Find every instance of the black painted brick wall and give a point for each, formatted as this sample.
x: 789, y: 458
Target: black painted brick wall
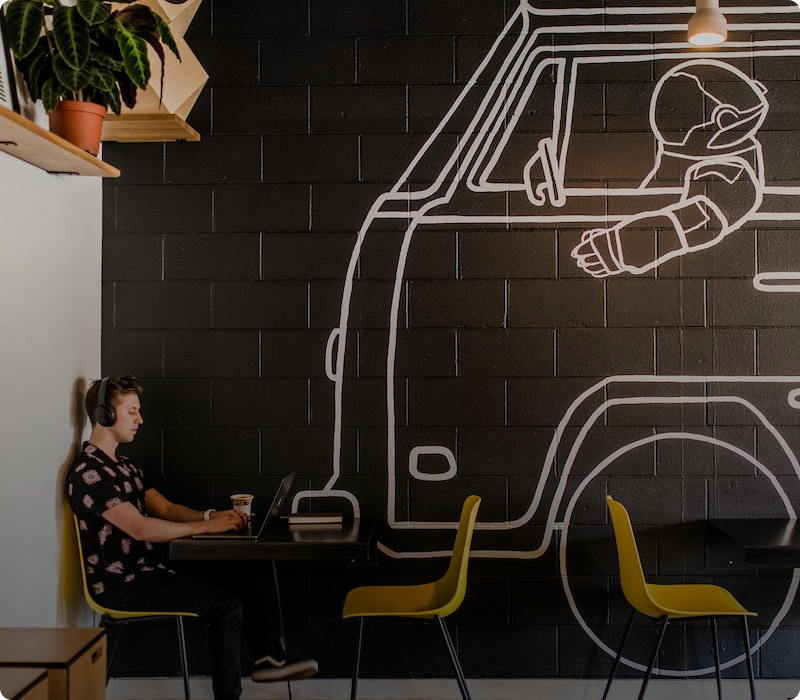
x: 223, y: 270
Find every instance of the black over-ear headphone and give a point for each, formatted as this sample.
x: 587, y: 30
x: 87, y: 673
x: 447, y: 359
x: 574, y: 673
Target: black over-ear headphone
x: 104, y: 413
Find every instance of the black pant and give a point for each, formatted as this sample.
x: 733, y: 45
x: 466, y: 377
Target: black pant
x: 226, y: 613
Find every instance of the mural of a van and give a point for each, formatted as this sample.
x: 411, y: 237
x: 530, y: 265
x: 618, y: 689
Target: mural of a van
x: 536, y: 146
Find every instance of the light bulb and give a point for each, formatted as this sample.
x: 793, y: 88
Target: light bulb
x: 708, y: 25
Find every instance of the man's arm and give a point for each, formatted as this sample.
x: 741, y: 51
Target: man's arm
x: 167, y: 521
x: 158, y: 506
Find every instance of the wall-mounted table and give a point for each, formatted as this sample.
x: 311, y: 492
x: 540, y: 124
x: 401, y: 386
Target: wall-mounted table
x: 773, y: 542
x: 764, y: 541
x: 353, y: 540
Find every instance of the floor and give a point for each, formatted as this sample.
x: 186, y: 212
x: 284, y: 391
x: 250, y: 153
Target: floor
x: 446, y: 689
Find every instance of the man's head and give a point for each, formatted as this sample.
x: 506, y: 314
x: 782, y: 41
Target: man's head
x: 104, y: 395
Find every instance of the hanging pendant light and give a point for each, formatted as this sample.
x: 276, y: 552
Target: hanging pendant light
x: 708, y: 25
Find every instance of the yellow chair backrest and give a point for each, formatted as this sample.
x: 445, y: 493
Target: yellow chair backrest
x: 634, y: 585
x: 452, y: 587
x: 70, y: 603
x: 99, y: 609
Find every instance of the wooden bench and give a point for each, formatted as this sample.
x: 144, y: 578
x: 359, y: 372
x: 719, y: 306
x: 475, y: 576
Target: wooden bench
x: 74, y: 659
x: 24, y: 683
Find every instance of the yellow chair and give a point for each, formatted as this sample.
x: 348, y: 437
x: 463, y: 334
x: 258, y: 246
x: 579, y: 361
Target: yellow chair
x: 665, y: 602
x: 426, y: 601
x: 109, y: 616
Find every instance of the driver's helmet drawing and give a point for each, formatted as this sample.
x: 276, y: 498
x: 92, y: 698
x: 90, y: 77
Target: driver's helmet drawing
x: 723, y: 182
x: 728, y: 106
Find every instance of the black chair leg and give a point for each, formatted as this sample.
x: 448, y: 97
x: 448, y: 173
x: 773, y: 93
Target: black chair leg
x: 715, y: 636
x: 462, y: 683
x: 750, y: 675
x: 184, y: 660
x: 653, y: 657
x: 614, y: 666
x: 357, y: 660
x: 104, y: 622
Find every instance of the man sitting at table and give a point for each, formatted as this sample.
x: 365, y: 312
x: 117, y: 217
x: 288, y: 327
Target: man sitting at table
x: 120, y: 517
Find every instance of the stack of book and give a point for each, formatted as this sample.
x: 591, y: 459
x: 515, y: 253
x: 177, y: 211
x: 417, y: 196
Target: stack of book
x: 312, y: 520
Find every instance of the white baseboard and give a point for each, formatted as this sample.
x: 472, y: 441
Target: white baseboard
x: 447, y: 689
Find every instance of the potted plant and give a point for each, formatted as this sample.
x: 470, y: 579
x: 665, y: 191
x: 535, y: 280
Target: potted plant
x: 86, y: 57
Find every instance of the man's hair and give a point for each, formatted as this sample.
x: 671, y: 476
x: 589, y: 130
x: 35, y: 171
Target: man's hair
x: 117, y: 385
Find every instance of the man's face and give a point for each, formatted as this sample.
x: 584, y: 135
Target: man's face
x: 129, y: 417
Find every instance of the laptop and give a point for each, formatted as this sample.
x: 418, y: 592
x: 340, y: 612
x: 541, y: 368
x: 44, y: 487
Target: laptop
x: 271, y: 516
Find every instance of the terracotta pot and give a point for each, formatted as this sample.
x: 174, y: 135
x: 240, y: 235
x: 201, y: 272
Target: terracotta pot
x: 80, y: 123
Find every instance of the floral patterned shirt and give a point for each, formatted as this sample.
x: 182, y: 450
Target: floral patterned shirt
x: 96, y: 483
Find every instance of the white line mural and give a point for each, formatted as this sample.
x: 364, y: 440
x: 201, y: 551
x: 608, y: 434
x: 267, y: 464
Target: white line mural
x: 509, y: 153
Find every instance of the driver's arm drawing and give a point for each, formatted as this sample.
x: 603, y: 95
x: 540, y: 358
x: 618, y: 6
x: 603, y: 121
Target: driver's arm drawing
x: 723, y: 183
x: 718, y: 197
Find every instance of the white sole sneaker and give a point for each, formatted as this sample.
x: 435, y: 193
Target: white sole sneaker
x: 288, y: 670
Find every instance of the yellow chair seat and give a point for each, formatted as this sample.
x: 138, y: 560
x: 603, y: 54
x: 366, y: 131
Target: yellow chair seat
x: 680, y: 600
x: 417, y: 601
x: 121, y: 615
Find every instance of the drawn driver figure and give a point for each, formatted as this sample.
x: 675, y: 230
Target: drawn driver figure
x: 716, y: 110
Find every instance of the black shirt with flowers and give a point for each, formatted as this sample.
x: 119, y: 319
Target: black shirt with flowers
x: 96, y: 483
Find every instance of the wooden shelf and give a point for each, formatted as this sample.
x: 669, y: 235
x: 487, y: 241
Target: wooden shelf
x: 147, y: 128
x: 26, y: 140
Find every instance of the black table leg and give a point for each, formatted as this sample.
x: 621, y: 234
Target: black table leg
x: 280, y: 618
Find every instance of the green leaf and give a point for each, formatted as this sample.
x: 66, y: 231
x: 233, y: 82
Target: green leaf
x: 166, y: 35
x: 50, y: 94
x: 36, y: 68
x: 104, y: 59
x: 127, y: 91
x: 71, y: 35
x: 113, y: 101
x: 138, y: 18
x: 102, y: 78
x: 71, y: 78
x: 24, y: 22
x: 93, y: 11
x: 134, y: 56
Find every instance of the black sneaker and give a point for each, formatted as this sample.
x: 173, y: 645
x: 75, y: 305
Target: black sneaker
x: 269, y: 669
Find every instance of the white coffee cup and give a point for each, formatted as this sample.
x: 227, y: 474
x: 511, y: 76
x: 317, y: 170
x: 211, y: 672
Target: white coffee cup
x: 243, y: 502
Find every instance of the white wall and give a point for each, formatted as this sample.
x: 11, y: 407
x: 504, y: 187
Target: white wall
x: 50, y: 260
